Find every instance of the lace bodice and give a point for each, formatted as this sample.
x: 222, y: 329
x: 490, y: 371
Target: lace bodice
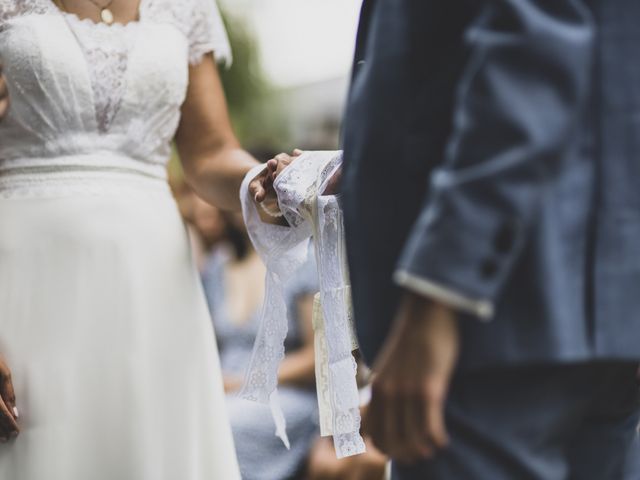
x: 96, y: 95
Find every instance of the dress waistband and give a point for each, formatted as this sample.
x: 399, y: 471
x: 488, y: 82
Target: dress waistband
x: 102, y: 172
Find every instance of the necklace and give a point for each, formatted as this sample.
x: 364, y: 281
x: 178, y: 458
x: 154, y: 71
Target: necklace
x: 106, y: 15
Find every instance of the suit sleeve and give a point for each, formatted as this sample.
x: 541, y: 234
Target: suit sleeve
x: 516, y: 114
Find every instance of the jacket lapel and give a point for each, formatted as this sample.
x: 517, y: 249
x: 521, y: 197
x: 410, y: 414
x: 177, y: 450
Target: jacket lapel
x: 363, y: 31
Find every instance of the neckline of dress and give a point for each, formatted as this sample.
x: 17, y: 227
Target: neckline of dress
x: 114, y: 25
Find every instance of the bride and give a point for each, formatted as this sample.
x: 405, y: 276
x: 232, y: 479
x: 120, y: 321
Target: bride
x: 109, y: 368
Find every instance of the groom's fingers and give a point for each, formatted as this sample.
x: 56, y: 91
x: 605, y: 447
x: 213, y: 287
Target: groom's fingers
x: 435, y: 423
x: 376, y: 422
x: 420, y: 445
x: 412, y: 444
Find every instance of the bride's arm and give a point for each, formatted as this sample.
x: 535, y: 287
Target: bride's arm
x: 213, y: 160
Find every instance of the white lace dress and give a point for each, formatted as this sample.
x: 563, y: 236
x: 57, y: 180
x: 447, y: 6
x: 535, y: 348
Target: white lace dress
x: 102, y: 317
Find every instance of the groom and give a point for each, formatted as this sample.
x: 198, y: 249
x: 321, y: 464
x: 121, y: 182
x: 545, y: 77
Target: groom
x: 492, y: 199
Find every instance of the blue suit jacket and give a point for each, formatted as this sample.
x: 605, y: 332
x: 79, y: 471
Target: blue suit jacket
x: 493, y: 147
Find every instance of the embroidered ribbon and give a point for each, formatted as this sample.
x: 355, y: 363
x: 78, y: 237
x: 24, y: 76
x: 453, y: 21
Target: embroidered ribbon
x: 284, y: 250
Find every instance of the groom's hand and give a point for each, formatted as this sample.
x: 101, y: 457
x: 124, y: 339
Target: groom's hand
x: 411, y: 380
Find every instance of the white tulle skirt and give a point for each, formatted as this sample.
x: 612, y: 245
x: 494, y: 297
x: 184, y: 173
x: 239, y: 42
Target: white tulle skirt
x: 105, y: 327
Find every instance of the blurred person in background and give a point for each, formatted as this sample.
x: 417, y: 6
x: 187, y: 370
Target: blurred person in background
x: 109, y: 367
x: 233, y: 276
x: 208, y: 229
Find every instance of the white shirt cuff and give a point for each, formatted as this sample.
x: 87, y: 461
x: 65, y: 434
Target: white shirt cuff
x: 480, y: 308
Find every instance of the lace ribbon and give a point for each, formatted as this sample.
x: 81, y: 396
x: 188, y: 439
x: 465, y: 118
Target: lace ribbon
x: 284, y: 250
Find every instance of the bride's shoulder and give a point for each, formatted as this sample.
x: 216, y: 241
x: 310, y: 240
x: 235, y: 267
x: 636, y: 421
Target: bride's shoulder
x: 199, y: 20
x: 184, y: 10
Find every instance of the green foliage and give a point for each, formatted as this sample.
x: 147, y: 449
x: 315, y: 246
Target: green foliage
x: 256, y: 118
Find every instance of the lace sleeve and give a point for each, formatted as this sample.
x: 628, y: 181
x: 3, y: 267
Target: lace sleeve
x: 15, y: 8
x: 207, y: 33
x: 8, y: 9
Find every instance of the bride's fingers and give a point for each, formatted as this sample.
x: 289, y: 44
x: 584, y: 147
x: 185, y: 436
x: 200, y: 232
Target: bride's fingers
x: 261, y: 186
x: 272, y: 166
x: 257, y: 188
x: 4, y: 95
x: 297, y: 152
x: 8, y: 396
x: 282, y: 160
x: 8, y: 411
x: 4, y: 106
x: 8, y: 425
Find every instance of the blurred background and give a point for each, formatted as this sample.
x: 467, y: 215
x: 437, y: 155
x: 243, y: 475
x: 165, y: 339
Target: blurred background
x: 288, y: 83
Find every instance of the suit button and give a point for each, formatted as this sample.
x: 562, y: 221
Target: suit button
x: 505, y: 238
x: 489, y: 269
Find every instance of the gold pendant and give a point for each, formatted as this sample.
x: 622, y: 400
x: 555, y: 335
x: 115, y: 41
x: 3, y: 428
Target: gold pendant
x: 107, y: 16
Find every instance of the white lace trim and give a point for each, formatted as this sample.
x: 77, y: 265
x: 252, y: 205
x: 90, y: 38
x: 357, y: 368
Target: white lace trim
x: 284, y: 249
x: 78, y: 174
x: 201, y: 23
x: 106, y: 49
x: 78, y: 182
x: 16, y: 8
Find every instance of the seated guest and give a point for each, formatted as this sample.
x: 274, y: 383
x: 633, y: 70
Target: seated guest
x: 233, y: 279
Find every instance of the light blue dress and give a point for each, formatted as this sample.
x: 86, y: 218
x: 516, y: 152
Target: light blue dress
x: 261, y: 454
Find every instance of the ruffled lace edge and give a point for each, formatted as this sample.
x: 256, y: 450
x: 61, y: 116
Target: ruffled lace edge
x: 208, y: 34
x: 222, y: 53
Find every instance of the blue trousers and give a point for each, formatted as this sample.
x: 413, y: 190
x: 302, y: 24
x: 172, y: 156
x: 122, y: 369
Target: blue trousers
x: 572, y: 422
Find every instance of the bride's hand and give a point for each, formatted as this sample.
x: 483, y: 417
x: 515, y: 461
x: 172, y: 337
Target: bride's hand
x: 4, y: 95
x: 8, y: 410
x: 263, y: 192
x: 282, y: 161
x: 261, y: 188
